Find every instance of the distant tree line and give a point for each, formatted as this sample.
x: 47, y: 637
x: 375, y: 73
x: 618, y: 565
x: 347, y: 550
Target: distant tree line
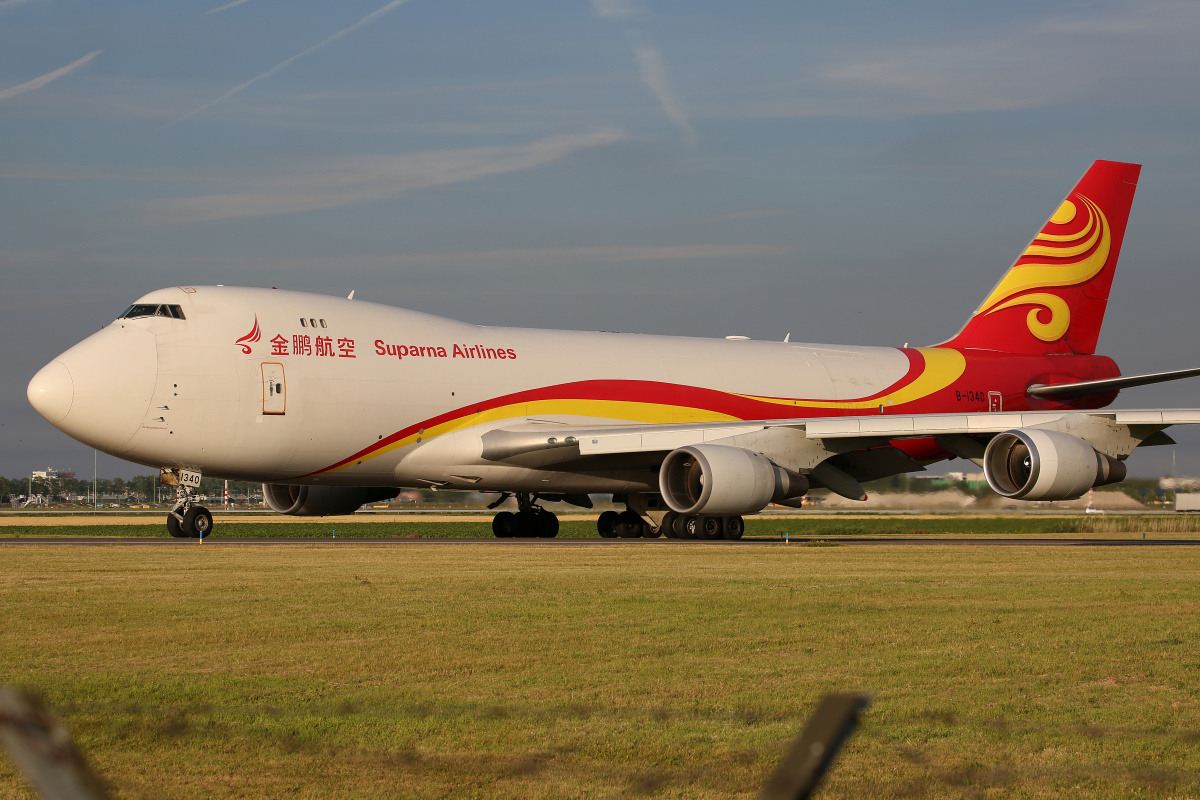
x: 140, y: 488
x: 1140, y: 489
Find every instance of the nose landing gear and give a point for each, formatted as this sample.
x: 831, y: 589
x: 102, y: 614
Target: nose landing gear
x: 186, y: 519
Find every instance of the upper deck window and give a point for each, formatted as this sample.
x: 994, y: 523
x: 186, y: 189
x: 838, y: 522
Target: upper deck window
x: 139, y: 310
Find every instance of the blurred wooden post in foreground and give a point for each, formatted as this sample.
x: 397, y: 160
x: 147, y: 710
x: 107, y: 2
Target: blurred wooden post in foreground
x: 41, y: 748
x: 801, y: 772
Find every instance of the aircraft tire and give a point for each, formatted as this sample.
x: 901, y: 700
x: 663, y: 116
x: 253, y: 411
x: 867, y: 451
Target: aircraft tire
x: 527, y: 525
x: 547, y: 525
x: 174, y: 528
x: 651, y: 532
x: 503, y: 525
x: 606, y: 524
x: 734, y: 527
x: 668, y: 525
x: 197, y: 522
x: 711, y: 528
x: 629, y: 526
x: 688, y: 527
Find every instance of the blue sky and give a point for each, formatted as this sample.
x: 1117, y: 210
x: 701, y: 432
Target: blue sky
x: 848, y: 172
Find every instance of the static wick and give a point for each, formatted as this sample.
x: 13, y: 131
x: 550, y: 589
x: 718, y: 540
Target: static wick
x: 41, y: 748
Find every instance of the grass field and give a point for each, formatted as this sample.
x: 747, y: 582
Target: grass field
x: 1130, y: 526
x: 661, y: 671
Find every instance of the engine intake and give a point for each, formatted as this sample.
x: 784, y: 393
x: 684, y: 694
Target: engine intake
x: 720, y: 480
x: 322, y: 501
x: 1034, y: 464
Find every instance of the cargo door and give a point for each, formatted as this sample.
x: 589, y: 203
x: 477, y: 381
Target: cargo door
x: 274, y: 388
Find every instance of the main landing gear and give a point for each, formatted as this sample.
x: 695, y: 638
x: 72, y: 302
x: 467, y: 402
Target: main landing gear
x: 186, y: 520
x: 530, y: 521
x: 629, y: 525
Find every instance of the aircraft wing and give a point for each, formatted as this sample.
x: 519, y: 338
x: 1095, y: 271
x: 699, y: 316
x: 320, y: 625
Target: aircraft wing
x: 572, y: 441
x: 835, y: 452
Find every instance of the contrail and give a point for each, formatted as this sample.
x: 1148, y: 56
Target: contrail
x: 654, y: 75
x: 38, y: 83
x: 651, y: 67
x: 369, y: 18
x: 222, y: 8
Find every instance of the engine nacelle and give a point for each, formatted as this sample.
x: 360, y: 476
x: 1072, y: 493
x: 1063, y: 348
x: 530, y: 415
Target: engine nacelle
x: 322, y: 501
x: 1034, y: 464
x: 719, y: 480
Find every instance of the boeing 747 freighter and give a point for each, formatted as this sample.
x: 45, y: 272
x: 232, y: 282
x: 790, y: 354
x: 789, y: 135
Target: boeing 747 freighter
x: 334, y: 402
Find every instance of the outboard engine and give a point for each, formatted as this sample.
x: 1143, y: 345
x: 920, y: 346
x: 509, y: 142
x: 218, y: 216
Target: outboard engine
x: 1035, y: 464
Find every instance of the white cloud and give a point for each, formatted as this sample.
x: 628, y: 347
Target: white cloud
x: 501, y: 260
x: 225, y: 7
x: 615, y: 9
x: 287, y: 62
x: 753, y: 213
x: 1136, y: 49
x: 543, y: 255
x: 349, y: 180
x: 49, y: 77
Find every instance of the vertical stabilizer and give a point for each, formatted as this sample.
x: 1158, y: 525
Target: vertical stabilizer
x: 1052, y: 299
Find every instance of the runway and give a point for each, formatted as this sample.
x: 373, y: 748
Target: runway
x: 101, y: 541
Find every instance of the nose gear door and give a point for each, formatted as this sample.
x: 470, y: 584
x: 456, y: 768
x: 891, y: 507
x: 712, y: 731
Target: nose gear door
x: 274, y: 388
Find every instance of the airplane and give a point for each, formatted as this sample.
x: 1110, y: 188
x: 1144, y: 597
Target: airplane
x: 333, y: 402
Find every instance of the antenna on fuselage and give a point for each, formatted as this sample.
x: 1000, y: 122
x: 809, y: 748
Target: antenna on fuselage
x: 351, y: 295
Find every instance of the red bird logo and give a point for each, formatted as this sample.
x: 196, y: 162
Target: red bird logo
x: 253, y: 336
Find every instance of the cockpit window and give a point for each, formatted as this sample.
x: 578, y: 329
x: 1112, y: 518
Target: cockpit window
x: 138, y: 310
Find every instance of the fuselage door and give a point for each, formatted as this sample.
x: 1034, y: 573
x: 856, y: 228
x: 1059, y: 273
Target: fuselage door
x: 274, y: 388
x: 994, y: 402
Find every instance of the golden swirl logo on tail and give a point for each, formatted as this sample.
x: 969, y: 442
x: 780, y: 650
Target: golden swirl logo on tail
x: 1072, y: 248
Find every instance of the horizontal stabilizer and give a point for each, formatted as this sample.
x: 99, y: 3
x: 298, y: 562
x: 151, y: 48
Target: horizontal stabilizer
x: 1109, y: 384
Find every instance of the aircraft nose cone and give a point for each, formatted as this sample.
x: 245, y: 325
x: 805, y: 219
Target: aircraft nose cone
x: 52, y: 391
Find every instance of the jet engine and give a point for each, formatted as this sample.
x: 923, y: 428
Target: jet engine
x: 321, y: 501
x: 1033, y: 464
x: 719, y: 480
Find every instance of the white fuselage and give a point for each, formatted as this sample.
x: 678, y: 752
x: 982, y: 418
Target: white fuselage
x: 240, y: 388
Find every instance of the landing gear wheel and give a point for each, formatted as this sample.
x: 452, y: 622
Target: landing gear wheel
x: 525, y: 525
x: 710, y: 528
x: 174, y: 528
x: 504, y: 525
x: 629, y: 526
x: 651, y: 532
x: 606, y: 525
x: 734, y: 527
x: 197, y: 522
x: 547, y: 525
x: 668, y: 525
x: 688, y: 527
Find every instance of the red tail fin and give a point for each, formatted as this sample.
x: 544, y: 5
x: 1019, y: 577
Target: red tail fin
x: 1052, y: 299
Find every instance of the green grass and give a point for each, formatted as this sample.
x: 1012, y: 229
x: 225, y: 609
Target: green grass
x: 884, y: 525
x: 361, y: 672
